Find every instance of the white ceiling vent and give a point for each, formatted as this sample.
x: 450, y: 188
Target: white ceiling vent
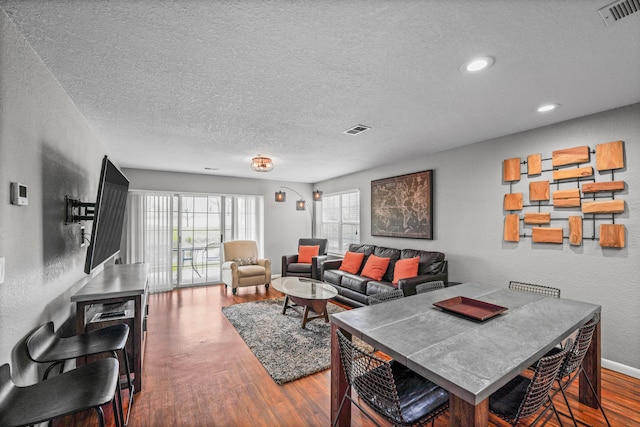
x: 617, y: 10
x: 357, y: 129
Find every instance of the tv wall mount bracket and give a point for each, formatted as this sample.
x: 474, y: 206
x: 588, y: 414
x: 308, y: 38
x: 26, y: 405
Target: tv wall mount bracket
x: 77, y: 211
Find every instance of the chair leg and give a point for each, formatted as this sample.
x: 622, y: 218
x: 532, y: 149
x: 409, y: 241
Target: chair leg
x: 129, y: 386
x: 595, y: 395
x: 566, y: 401
x: 100, y: 414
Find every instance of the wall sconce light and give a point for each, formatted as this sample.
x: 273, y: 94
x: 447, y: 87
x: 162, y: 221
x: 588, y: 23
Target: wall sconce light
x: 261, y: 163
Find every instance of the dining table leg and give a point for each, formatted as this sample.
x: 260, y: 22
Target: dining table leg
x: 339, y: 384
x: 591, y: 365
x: 464, y: 414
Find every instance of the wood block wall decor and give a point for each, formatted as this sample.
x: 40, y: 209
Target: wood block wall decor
x: 546, y: 235
x: 537, y: 218
x: 538, y: 190
x: 572, y: 173
x: 511, y: 169
x: 575, y: 230
x: 576, y: 190
x: 512, y: 228
x: 570, y: 156
x: 607, y: 206
x: 534, y: 164
x: 609, y: 156
x: 566, y: 198
x: 513, y: 202
x: 612, y: 235
x: 595, y: 187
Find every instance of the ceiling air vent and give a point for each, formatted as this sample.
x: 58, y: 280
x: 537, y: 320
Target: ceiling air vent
x: 356, y: 129
x: 617, y: 10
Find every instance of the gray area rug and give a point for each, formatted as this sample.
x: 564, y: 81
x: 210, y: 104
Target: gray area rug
x: 286, y: 351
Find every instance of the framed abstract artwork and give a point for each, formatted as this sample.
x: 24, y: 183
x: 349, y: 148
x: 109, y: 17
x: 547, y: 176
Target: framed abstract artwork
x: 402, y: 206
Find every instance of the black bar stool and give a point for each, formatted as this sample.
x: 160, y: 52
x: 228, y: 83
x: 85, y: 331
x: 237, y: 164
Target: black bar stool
x: 45, y: 346
x: 88, y: 387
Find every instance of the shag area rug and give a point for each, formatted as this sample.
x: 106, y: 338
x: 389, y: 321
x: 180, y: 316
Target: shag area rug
x: 286, y: 351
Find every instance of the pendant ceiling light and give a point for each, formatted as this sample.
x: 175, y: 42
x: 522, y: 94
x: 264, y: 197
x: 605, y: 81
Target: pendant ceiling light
x: 261, y: 164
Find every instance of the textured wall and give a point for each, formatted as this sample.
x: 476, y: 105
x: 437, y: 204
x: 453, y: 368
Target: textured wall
x: 468, y: 225
x: 48, y: 145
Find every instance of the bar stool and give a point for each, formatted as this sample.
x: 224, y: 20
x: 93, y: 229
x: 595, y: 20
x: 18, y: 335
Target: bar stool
x: 45, y: 346
x: 88, y: 387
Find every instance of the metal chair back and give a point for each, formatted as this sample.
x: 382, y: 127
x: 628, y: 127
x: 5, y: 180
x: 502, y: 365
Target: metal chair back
x: 429, y: 286
x: 536, y: 289
x: 385, y: 296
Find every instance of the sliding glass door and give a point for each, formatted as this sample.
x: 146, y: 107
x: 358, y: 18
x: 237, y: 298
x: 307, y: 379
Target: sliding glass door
x: 197, y: 234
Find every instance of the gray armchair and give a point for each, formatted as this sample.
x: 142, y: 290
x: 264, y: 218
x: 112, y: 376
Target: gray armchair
x: 291, y: 266
x: 242, y: 267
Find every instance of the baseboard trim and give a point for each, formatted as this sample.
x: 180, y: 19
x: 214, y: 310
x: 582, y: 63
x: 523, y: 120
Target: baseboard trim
x: 619, y: 367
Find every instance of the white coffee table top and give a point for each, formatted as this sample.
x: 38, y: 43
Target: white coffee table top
x: 304, y: 288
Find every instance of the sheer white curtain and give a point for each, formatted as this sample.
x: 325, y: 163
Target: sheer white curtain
x: 148, y: 236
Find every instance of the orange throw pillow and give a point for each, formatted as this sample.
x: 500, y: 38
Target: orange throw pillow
x: 305, y: 253
x: 406, y: 268
x: 352, y: 262
x: 375, y: 267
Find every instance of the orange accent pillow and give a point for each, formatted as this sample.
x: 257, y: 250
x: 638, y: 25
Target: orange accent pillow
x: 406, y: 268
x: 375, y: 267
x: 305, y: 253
x: 352, y: 262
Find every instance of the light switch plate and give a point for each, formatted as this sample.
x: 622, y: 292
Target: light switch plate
x: 2, y: 270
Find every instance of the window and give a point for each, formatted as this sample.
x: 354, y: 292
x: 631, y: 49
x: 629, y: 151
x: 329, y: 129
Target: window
x: 340, y: 222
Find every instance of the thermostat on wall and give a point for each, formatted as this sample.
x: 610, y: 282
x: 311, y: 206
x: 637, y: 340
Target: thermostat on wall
x: 19, y: 194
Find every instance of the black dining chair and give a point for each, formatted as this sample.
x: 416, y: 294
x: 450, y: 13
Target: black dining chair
x: 45, y: 346
x: 524, y: 396
x: 536, y: 289
x: 572, y: 366
x: 392, y: 390
x: 88, y: 387
x: 429, y: 286
x: 385, y: 296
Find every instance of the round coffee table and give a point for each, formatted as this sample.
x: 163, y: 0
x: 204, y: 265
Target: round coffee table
x: 308, y: 293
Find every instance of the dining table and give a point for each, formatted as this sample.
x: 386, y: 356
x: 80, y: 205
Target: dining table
x: 468, y: 355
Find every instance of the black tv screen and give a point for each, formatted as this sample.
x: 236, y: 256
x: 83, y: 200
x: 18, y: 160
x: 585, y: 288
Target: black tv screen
x: 108, y: 216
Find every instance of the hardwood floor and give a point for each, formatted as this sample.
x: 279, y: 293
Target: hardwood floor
x: 199, y: 372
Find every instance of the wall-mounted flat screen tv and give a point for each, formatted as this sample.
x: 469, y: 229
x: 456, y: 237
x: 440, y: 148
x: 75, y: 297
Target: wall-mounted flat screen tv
x: 108, y: 215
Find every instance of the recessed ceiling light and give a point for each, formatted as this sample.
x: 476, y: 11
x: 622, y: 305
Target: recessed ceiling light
x: 211, y: 169
x: 547, y: 107
x: 478, y: 64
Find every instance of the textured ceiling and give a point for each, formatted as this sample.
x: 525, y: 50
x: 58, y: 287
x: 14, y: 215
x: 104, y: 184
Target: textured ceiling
x: 185, y: 85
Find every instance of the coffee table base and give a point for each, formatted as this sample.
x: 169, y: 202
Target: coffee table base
x: 317, y: 306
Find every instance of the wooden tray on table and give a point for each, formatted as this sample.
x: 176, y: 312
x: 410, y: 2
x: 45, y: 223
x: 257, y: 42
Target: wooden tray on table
x: 471, y: 308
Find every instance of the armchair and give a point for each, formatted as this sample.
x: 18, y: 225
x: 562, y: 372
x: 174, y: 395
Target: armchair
x: 291, y: 266
x: 242, y: 267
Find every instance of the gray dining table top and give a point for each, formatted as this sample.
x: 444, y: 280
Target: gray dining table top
x: 469, y: 358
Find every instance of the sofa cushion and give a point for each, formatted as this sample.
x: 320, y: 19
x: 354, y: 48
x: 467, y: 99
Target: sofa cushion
x: 374, y: 287
x: 296, y: 267
x: 427, y: 258
x: 306, y: 253
x: 352, y: 262
x: 353, y: 282
x: 375, y: 267
x: 405, y: 268
x: 334, y: 276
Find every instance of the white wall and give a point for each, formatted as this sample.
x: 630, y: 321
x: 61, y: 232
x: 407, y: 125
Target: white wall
x: 283, y: 224
x: 46, y: 144
x: 468, y: 223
